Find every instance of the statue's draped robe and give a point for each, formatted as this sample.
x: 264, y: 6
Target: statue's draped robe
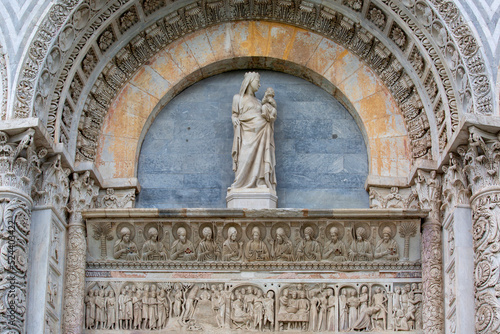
x: 253, y: 151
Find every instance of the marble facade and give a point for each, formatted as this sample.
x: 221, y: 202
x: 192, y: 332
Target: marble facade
x: 413, y: 247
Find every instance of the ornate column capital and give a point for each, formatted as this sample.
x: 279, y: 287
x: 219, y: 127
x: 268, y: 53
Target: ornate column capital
x: 53, y: 187
x: 19, y: 167
x: 481, y: 159
x: 19, y: 163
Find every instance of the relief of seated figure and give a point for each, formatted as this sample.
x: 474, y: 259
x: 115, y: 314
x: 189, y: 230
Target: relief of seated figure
x: 282, y: 248
x: 335, y: 249
x: 361, y: 249
x: 387, y: 248
x: 208, y: 250
x: 308, y: 248
x: 125, y: 248
x: 232, y: 249
x: 256, y: 249
x: 153, y: 249
x: 182, y: 248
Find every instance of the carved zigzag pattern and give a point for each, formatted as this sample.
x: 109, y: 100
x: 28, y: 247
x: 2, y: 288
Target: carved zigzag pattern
x: 17, y: 18
x: 485, y: 15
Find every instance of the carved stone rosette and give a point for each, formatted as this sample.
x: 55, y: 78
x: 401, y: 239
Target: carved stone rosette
x: 19, y: 166
x: 481, y: 160
x: 427, y: 188
x: 82, y: 195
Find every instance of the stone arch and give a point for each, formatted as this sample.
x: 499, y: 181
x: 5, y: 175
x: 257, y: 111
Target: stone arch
x: 430, y: 91
x: 284, y: 48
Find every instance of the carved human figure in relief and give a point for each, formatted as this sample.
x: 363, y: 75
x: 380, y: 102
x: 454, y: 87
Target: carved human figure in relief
x: 182, y: 248
x: 153, y: 249
x: 208, y: 250
x: 256, y: 249
x: 232, y: 250
x: 361, y: 249
x: 100, y: 313
x: 124, y: 248
x: 308, y: 248
x: 387, y: 248
x: 90, y: 309
x: 379, y: 302
x: 269, y: 310
x: 253, y: 144
x: 335, y: 249
x: 111, y: 310
x: 282, y: 248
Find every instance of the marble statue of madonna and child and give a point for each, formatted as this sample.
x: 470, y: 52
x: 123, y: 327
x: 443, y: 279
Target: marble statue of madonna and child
x: 253, y: 152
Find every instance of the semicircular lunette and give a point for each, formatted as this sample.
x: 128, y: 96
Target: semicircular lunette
x: 424, y: 71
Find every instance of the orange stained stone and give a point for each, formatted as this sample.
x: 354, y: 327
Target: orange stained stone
x: 282, y: 37
x: 219, y: 37
x: 303, y: 47
x: 361, y: 84
x: 200, y: 46
x: 150, y: 81
x: 182, y: 56
x: 323, y: 57
x: 163, y: 64
x: 343, y: 67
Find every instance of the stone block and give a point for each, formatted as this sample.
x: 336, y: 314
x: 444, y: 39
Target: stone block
x: 255, y: 198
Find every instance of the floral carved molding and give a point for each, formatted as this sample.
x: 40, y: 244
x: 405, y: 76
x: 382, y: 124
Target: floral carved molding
x: 428, y: 57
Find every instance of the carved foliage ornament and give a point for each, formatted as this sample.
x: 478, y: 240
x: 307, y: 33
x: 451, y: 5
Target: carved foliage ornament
x: 85, y: 13
x: 83, y: 193
x: 14, y: 234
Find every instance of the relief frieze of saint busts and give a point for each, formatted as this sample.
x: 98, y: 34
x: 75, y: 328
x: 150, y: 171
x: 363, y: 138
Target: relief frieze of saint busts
x: 245, y: 244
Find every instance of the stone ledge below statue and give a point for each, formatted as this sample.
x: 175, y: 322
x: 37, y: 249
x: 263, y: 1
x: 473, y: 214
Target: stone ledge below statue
x: 252, y: 198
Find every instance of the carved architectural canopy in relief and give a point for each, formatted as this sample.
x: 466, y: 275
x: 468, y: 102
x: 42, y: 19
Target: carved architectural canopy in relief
x: 423, y: 51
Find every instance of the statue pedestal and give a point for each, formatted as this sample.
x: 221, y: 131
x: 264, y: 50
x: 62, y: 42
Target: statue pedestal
x: 252, y: 198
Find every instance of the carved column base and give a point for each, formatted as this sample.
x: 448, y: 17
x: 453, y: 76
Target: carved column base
x: 254, y: 198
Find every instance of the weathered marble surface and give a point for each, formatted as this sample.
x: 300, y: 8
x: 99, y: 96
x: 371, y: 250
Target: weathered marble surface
x: 275, y: 239
x: 133, y: 110
x: 179, y: 304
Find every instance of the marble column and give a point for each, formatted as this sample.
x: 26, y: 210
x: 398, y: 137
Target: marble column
x: 19, y: 167
x: 481, y: 165
x: 83, y: 192
x: 427, y: 188
x: 47, y: 248
x: 458, y: 262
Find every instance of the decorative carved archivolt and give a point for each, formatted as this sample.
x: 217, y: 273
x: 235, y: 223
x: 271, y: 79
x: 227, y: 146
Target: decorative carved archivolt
x: 218, y: 306
x: 70, y: 48
x: 254, y: 245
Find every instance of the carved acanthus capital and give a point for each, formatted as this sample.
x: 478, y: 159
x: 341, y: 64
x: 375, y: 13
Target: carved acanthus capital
x: 481, y: 159
x: 53, y: 186
x: 19, y: 162
x: 83, y: 193
x: 455, y: 186
x: 394, y: 197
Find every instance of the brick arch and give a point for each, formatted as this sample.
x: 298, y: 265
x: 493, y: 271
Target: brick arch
x: 265, y: 45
